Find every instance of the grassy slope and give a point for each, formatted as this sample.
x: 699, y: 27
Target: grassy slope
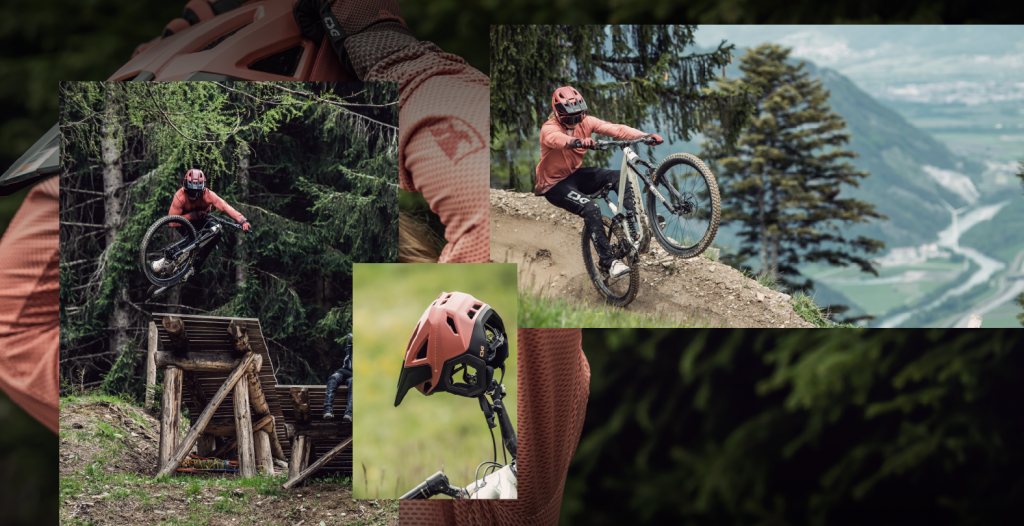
x: 105, y: 480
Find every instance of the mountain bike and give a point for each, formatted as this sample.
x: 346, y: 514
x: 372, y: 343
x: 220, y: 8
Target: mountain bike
x: 682, y: 212
x: 174, y: 243
x: 438, y: 484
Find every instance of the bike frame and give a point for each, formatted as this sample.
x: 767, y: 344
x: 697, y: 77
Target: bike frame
x: 628, y: 174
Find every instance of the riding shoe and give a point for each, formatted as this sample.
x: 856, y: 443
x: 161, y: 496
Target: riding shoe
x: 158, y: 265
x: 617, y: 268
x: 347, y: 417
x: 328, y: 415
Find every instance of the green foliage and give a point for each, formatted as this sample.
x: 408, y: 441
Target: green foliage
x: 798, y: 427
x: 783, y: 179
x: 310, y: 165
x: 122, y: 379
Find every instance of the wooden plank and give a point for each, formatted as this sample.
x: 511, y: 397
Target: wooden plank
x: 316, y: 465
x: 228, y: 446
x: 264, y: 457
x: 205, y: 417
x: 170, y: 418
x: 295, y: 466
x: 243, y: 431
x: 195, y: 391
x: 154, y: 341
x: 239, y: 335
x: 300, y: 403
x: 178, y: 338
x: 256, y: 398
x: 204, y: 362
x: 319, y: 430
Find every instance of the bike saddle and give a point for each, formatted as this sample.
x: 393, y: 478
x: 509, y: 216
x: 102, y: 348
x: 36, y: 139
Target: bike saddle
x: 41, y: 160
x: 257, y: 41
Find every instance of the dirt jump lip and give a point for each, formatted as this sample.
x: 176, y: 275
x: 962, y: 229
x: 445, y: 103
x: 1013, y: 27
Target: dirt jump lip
x: 545, y: 242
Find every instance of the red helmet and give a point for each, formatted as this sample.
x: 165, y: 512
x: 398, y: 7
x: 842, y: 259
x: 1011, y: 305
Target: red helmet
x: 456, y: 333
x: 257, y: 41
x: 194, y: 183
x: 569, y: 106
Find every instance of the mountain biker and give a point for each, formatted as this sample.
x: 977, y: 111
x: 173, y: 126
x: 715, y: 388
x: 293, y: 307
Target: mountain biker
x: 30, y: 304
x: 553, y: 379
x: 452, y: 334
x: 443, y: 112
x: 194, y: 201
x: 564, y: 139
x: 341, y: 375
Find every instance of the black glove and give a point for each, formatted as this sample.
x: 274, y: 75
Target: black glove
x: 585, y: 143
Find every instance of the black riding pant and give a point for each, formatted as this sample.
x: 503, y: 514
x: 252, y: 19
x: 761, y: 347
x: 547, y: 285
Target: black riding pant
x: 341, y: 375
x: 571, y: 194
x: 199, y: 225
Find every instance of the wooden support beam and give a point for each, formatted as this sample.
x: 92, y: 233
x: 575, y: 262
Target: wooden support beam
x: 318, y: 430
x: 195, y: 390
x: 205, y: 416
x: 206, y: 445
x: 202, y: 362
x: 239, y: 335
x: 264, y: 457
x: 256, y: 398
x: 170, y: 419
x: 176, y: 332
x: 318, y: 464
x: 243, y: 431
x: 295, y: 465
x: 228, y: 446
x: 154, y: 340
x: 300, y: 402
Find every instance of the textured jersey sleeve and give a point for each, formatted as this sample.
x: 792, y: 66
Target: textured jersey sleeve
x: 553, y: 386
x: 443, y: 128
x: 551, y: 137
x: 29, y: 304
x: 618, y: 131
x: 223, y: 206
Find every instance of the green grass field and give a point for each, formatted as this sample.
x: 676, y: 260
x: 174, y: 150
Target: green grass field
x: 401, y: 446
x: 536, y: 311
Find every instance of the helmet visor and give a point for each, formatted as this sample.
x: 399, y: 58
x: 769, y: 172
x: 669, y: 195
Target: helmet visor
x: 572, y: 119
x: 411, y: 377
x: 194, y: 193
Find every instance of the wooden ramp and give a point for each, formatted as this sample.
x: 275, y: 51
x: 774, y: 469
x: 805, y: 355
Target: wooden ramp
x: 342, y: 463
x: 206, y: 360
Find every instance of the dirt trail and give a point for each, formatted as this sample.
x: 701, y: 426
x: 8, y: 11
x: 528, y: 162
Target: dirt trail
x: 545, y: 242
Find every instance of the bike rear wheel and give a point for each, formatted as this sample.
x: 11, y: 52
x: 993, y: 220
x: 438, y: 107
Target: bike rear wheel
x: 617, y: 291
x: 687, y: 224
x: 163, y: 238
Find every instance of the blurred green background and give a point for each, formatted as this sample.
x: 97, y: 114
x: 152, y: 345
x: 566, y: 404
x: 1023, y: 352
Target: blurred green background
x: 787, y: 427
x: 401, y: 446
x: 28, y: 467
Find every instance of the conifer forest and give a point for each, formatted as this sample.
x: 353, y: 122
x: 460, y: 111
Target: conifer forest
x: 312, y: 166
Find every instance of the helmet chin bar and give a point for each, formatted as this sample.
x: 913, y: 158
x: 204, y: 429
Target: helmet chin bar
x: 495, y: 407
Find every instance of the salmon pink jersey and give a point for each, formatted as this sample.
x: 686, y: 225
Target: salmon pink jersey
x: 29, y: 308
x: 553, y: 388
x: 558, y: 159
x: 183, y: 206
x: 444, y: 107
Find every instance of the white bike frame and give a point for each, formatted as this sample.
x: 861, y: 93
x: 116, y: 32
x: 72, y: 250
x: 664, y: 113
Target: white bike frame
x: 628, y: 175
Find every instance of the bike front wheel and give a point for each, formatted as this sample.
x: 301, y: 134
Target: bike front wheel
x: 617, y: 291
x: 164, y: 238
x: 686, y: 221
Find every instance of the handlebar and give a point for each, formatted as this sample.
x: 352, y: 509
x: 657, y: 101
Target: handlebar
x: 224, y: 221
x: 604, y: 145
x: 436, y: 484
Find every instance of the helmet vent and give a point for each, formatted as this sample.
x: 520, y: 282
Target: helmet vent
x: 222, y: 38
x: 471, y: 314
x: 423, y: 350
x: 451, y: 323
x: 477, y: 306
x: 284, y: 63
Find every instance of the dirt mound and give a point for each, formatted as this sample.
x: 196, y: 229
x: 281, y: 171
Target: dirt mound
x: 108, y: 456
x: 545, y: 242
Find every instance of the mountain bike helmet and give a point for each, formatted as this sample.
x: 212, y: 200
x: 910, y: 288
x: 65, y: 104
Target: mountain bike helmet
x: 41, y: 160
x: 570, y: 108
x: 456, y: 333
x: 257, y: 41
x: 195, y: 183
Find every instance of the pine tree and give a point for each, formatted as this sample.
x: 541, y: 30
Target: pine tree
x: 313, y: 166
x: 641, y: 76
x: 783, y: 180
